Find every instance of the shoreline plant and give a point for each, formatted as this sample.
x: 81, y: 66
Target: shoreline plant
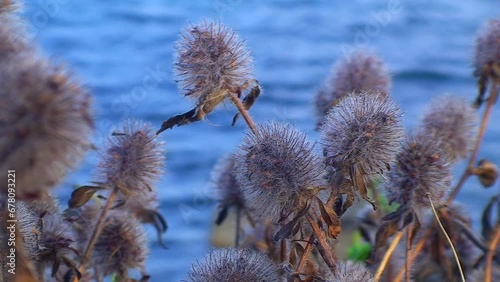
x: 289, y: 200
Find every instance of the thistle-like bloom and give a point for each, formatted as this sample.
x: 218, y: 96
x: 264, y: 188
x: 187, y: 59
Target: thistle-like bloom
x: 121, y: 246
x: 421, y: 167
x: 487, y: 54
x: 226, y: 184
x: 453, y: 120
x: 275, y: 167
x: 364, y: 131
x: 351, y: 272
x: 133, y: 159
x: 211, y: 60
x: 360, y: 72
x: 225, y: 265
x: 12, y: 40
x: 46, y: 123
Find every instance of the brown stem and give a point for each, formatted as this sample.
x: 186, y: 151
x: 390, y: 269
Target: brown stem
x: 236, y: 101
x: 408, y: 251
x: 387, y: 256
x: 97, y: 231
x: 307, y: 250
x: 490, y: 255
x: 482, y: 129
x: 323, y: 247
x: 420, y: 245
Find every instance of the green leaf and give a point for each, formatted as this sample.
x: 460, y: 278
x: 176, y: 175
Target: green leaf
x: 359, y: 250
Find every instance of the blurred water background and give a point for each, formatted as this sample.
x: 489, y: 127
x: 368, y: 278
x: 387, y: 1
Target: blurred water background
x: 123, y: 52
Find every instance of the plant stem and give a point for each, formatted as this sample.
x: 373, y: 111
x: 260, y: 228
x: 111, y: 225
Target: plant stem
x: 490, y: 255
x: 97, y: 231
x: 482, y: 129
x: 409, y: 230
x: 323, y: 247
x: 387, y: 256
x: 307, y: 250
x: 420, y: 245
x: 236, y: 101
x: 447, y: 238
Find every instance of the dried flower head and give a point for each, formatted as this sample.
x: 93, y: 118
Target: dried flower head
x: 421, y: 167
x: 361, y: 137
x: 225, y: 182
x: 211, y: 59
x: 487, y: 54
x: 363, y: 130
x: 351, y: 272
x: 133, y: 159
x: 453, y: 120
x: 360, y: 72
x: 47, y: 123
x: 12, y: 39
x: 275, y: 166
x: 224, y: 265
x: 121, y: 246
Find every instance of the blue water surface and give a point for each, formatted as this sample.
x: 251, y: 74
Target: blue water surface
x: 116, y: 47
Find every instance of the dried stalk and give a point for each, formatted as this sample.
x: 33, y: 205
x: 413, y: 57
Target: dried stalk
x: 491, y: 254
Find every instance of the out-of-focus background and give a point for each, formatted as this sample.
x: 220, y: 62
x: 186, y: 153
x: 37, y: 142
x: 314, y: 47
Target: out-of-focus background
x: 123, y: 52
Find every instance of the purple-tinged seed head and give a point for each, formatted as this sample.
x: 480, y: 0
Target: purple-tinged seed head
x: 232, y: 264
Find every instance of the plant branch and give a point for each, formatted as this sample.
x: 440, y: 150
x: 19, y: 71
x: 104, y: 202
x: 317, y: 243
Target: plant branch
x: 482, y: 129
x: 387, y: 256
x: 322, y: 244
x: 307, y: 250
x: 97, y: 231
x: 491, y: 254
x: 236, y: 101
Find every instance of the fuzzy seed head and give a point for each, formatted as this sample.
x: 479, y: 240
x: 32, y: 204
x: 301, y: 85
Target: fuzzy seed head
x: 211, y: 59
x: 421, y: 167
x: 360, y: 72
x: 133, y: 159
x: 12, y: 40
x: 351, y: 272
x: 453, y: 120
x: 225, y: 182
x: 227, y: 265
x: 46, y: 123
x: 487, y: 52
x: 365, y: 130
x: 276, y: 165
x: 121, y: 246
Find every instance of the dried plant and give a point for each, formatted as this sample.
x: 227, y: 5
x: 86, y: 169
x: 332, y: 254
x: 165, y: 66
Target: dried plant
x: 359, y: 72
x: 454, y: 121
x: 212, y: 65
x: 361, y: 137
x: 276, y: 168
x: 234, y: 265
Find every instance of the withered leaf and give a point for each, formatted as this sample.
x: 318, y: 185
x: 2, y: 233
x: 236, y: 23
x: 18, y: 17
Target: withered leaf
x: 288, y: 229
x: 157, y: 220
x: 349, y: 200
x: 358, y: 180
x: 178, y: 120
x: 331, y: 219
x: 486, y: 222
x: 82, y: 195
x: 386, y: 230
x: 248, y: 101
